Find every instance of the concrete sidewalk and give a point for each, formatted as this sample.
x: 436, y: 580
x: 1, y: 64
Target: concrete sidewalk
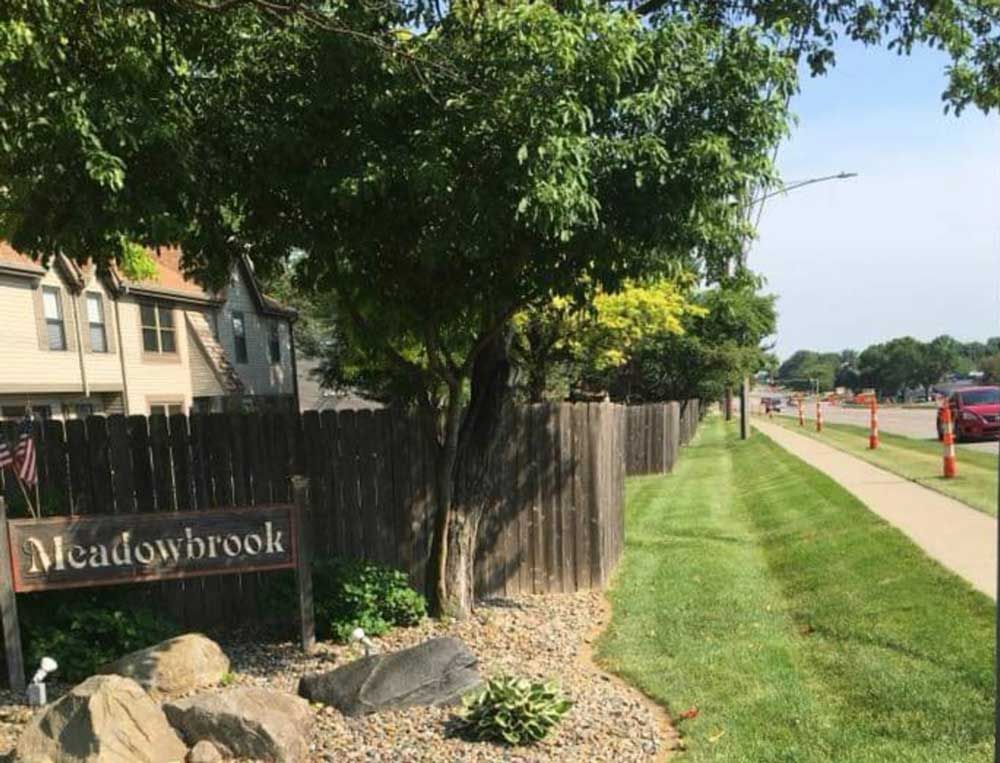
x: 960, y: 538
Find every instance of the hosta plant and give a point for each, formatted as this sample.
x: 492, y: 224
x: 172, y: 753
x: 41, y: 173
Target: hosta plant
x: 512, y: 710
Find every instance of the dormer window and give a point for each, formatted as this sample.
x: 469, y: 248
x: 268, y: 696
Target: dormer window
x: 96, y: 325
x: 55, y: 326
x: 274, y: 343
x: 240, y: 337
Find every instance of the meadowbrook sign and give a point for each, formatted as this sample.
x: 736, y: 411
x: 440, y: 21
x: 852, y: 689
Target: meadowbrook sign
x: 96, y: 550
x: 82, y: 551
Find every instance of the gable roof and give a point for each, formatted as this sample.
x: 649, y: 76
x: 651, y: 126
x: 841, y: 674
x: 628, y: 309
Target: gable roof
x: 169, y: 282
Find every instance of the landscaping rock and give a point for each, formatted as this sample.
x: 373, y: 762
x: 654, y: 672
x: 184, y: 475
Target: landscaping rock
x: 106, y: 719
x: 436, y: 672
x: 204, y: 752
x: 260, y: 724
x: 174, y: 667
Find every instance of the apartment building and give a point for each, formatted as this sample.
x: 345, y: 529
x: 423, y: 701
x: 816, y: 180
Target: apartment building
x: 75, y: 341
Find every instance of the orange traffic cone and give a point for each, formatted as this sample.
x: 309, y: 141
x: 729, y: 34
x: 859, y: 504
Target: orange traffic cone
x: 819, y: 416
x: 950, y: 466
x: 873, y: 435
x: 802, y: 415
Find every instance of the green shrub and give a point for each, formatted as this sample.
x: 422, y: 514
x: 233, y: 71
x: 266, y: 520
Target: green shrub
x: 88, y: 631
x: 350, y: 594
x: 512, y: 710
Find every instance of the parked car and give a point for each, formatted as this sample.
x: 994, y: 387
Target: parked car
x: 772, y: 404
x: 975, y: 413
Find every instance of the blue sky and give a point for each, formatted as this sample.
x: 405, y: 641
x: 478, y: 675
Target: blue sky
x: 910, y: 246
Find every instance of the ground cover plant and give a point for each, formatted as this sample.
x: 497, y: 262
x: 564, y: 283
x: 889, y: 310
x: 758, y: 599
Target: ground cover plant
x: 917, y: 460
x: 83, y: 631
x: 511, y: 710
x: 798, y: 624
x: 349, y: 594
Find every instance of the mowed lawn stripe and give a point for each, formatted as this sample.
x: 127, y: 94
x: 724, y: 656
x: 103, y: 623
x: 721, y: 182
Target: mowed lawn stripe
x: 802, y: 626
x: 913, y: 459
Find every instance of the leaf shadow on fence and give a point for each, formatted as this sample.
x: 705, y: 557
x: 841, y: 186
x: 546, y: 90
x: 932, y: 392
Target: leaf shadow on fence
x: 556, y: 526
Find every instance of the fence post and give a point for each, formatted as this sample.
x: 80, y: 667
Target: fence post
x: 303, y: 571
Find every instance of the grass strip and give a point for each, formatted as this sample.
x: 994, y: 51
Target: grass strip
x: 913, y: 459
x: 802, y: 626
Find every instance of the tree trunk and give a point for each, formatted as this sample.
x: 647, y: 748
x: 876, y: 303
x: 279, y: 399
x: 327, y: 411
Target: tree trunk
x: 466, y: 467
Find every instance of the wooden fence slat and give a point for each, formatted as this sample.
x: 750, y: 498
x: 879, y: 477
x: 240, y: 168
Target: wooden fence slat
x: 580, y: 497
x: 79, y: 467
x: 367, y: 507
x: 142, y: 468
x: 100, y: 464
x: 260, y: 486
x: 180, y: 458
x: 200, y: 473
x: 550, y: 499
x: 163, y: 470
x: 314, y: 455
x: 353, y: 533
x: 121, y: 464
x: 385, y: 516
x: 237, y: 450
x: 402, y: 494
x: 57, y: 486
x: 333, y: 472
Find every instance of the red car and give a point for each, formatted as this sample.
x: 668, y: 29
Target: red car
x: 975, y: 413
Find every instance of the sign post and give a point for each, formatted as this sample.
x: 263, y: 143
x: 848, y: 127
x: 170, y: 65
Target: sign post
x: 8, y: 609
x: 307, y: 617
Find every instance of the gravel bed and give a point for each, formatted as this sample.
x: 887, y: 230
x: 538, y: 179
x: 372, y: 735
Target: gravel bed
x: 543, y: 638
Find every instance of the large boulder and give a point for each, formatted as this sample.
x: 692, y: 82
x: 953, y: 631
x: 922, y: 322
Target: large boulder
x: 436, y: 672
x: 174, y: 667
x: 106, y: 719
x: 260, y: 724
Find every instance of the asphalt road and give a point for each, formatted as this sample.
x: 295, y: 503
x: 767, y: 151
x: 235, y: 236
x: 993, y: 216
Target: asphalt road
x: 909, y: 422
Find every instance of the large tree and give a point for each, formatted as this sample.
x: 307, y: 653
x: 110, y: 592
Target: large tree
x: 436, y: 183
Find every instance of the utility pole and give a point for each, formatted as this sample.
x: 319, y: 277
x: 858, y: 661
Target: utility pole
x: 759, y: 203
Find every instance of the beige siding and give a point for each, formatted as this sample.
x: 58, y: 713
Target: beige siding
x: 204, y: 382
x: 23, y: 362
x: 104, y: 369
x: 152, y: 377
x: 259, y: 375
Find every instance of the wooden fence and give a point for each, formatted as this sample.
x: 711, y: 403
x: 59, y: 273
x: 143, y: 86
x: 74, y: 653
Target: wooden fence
x: 561, y: 490
x: 652, y: 438
x: 690, y: 416
x: 655, y: 433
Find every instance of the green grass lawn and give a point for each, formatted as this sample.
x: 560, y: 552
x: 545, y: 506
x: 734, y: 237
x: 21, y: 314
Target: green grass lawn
x: 917, y: 460
x: 801, y: 626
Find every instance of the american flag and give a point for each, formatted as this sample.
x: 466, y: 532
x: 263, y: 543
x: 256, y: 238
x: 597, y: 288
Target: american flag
x: 6, y: 456
x: 24, y: 454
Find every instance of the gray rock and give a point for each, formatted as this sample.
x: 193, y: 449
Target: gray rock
x: 252, y: 723
x: 106, y: 719
x: 436, y: 672
x: 174, y: 667
x: 204, y: 752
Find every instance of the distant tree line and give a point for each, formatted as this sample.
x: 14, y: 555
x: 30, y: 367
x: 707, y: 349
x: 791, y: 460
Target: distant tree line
x: 892, y: 367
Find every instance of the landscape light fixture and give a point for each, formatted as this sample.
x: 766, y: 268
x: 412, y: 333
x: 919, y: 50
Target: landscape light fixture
x: 358, y: 635
x: 36, y: 689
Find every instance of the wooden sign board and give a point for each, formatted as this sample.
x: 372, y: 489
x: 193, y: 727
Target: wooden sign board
x: 97, y: 550
x: 74, y: 552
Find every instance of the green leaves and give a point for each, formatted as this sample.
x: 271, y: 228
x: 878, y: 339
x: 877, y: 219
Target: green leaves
x: 511, y: 710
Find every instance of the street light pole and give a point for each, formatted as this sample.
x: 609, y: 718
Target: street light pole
x: 745, y: 387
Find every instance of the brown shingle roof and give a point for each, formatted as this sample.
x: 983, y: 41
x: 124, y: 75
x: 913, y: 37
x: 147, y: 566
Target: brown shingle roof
x: 168, y: 281
x: 17, y: 260
x: 169, y: 275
